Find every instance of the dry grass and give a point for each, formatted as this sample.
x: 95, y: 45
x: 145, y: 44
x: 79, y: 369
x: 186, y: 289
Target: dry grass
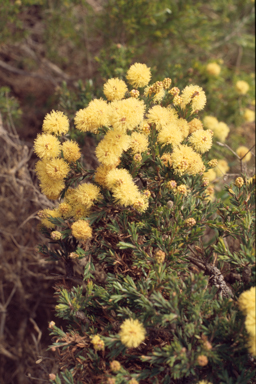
x: 26, y: 295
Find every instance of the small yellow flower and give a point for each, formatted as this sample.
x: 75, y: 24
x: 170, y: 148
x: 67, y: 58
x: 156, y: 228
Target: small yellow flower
x: 51, y: 324
x: 213, y: 69
x: 246, y: 301
x: 56, y: 235
x: 239, y: 182
x: 137, y: 157
x: 115, y: 366
x: 167, y: 83
x: 242, y: 87
x: 243, y: 153
x: 141, y: 204
x: 177, y: 100
x: 57, y: 169
x: 133, y: 381
x: 182, y: 189
x: 210, y: 122
x: 249, y: 115
x: 222, y: 168
x: 98, y: 344
x: 138, y: 75
x: 221, y: 131
x: 171, y: 184
x: 115, y: 89
x: 213, y: 163
x: 134, y: 93
x: 64, y: 209
x: 175, y: 91
x: 166, y: 159
x: 71, y: 151
x: 139, y: 142
x: 47, y: 146
x: 56, y: 122
x: 195, y: 125
x: 169, y: 134
x: 252, y: 345
x: 81, y: 230
x: 132, y: 333
x: 250, y: 323
x: 202, y: 360
x: 195, y: 95
x: 190, y: 222
x: 159, y: 256
x: 201, y: 140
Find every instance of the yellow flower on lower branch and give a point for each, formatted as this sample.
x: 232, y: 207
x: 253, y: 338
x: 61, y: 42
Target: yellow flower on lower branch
x: 81, y: 230
x: 71, y: 151
x: 132, y: 333
x: 98, y: 344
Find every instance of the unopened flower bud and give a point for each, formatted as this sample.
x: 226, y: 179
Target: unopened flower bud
x: 202, y: 360
x: 159, y: 256
x: 207, y: 345
x: 73, y: 255
x: 111, y: 380
x: 190, y: 222
x: 52, y: 376
x: 147, y: 193
x: 182, y: 189
x: 134, y: 93
x: 213, y: 163
x: 98, y: 344
x: 170, y: 204
x: 167, y: 83
x: 51, y: 324
x: 205, y: 181
x: 146, y: 128
x: 174, y: 91
x: 115, y: 366
x: 177, y: 100
x: 137, y: 157
x: 239, y: 182
x: 171, y: 184
x: 56, y: 235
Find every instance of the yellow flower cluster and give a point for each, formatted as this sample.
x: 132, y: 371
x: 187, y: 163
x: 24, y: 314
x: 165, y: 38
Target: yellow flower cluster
x: 138, y: 75
x: 213, y: 69
x: 242, y: 87
x: 195, y: 96
x: 98, y: 344
x: 244, y: 153
x: 247, y: 304
x: 132, y: 333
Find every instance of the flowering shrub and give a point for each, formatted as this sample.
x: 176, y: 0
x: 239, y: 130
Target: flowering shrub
x: 161, y: 274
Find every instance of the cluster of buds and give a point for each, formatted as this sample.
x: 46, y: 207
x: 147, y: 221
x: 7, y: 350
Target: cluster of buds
x: 98, y: 344
x: 167, y: 82
x: 134, y: 93
x: 159, y: 256
x: 213, y: 163
x: 155, y: 88
x: 171, y: 184
x: 190, y: 222
x: 239, y: 182
x: 182, y: 189
x: 175, y: 91
x: 56, y: 235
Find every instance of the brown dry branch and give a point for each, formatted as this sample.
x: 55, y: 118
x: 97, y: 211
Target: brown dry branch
x: 26, y: 296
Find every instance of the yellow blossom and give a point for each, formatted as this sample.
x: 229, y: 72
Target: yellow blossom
x: 55, y: 122
x: 169, y: 134
x: 126, y: 114
x: 167, y: 83
x: 137, y: 157
x: 57, y: 169
x: 246, y: 301
x: 171, y: 184
x: 56, y: 235
x: 239, y: 182
x: 183, y: 127
x: 44, y: 216
x: 242, y: 87
x: 201, y: 140
x: 195, y: 125
x: 243, y: 153
x: 190, y: 222
x: 138, y: 75
x: 250, y: 322
x: 144, y: 127
x: 221, y: 131
x: 139, y: 142
x: 202, y: 360
x: 98, y: 344
x: 177, y: 100
x: 186, y: 160
x: 115, y: 89
x: 141, y: 204
x: 213, y: 163
x: 52, y: 189
x: 210, y: 175
x: 47, y: 146
x: 81, y: 230
x: 111, y: 147
x: 182, y: 189
x: 210, y: 122
x: 175, y: 91
x: 249, y: 115
x: 160, y: 116
x: 101, y: 173
x: 71, y: 151
x: 133, y: 381
x: 159, y: 256
x: 120, y: 182
x: 210, y: 193
x: 222, y: 168
x: 213, y: 69
x: 87, y: 193
x: 93, y: 117
x: 115, y: 366
x: 195, y: 95
x: 132, y: 333
x: 64, y: 209
x: 134, y: 93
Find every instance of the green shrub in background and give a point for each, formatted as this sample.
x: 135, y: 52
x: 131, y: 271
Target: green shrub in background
x: 162, y: 271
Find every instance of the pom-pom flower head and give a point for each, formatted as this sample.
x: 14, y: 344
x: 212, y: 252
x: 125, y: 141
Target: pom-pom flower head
x: 98, y: 344
x: 247, y: 299
x: 195, y: 125
x: 170, y: 135
x: 126, y: 114
x: 71, y: 151
x: 221, y: 131
x: 201, y: 140
x: 139, y: 142
x: 244, y: 153
x: 87, y: 193
x: 186, y: 160
x: 81, y: 230
x: 132, y: 333
x: 55, y: 122
x: 213, y: 69
x: 210, y: 122
x: 249, y: 115
x: 138, y: 75
x: 57, y: 169
x: 242, y: 87
x: 47, y: 146
x: 93, y: 117
x: 115, y: 89
x: 195, y: 95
